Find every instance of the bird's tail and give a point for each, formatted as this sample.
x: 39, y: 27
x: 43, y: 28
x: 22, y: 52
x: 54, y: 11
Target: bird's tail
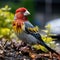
x: 40, y: 41
x: 50, y: 49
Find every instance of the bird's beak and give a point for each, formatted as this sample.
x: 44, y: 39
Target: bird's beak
x: 26, y: 13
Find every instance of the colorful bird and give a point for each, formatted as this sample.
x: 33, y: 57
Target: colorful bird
x: 26, y: 31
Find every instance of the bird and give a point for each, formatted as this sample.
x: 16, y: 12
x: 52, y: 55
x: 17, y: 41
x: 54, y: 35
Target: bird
x: 26, y: 31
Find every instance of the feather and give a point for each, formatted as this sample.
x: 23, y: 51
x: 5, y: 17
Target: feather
x: 28, y: 24
x: 38, y: 37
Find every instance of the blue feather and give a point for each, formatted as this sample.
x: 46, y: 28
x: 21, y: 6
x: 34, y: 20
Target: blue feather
x: 37, y: 36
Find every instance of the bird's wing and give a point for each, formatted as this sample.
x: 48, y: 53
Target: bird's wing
x: 34, y: 31
x: 31, y: 28
x: 37, y: 36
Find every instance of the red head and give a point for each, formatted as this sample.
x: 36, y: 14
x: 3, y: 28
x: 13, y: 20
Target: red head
x: 21, y: 13
x: 21, y: 10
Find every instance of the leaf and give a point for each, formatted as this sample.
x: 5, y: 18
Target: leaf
x: 6, y: 19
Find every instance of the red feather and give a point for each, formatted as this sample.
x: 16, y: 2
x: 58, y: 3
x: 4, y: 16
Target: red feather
x: 21, y: 10
x: 19, y: 15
